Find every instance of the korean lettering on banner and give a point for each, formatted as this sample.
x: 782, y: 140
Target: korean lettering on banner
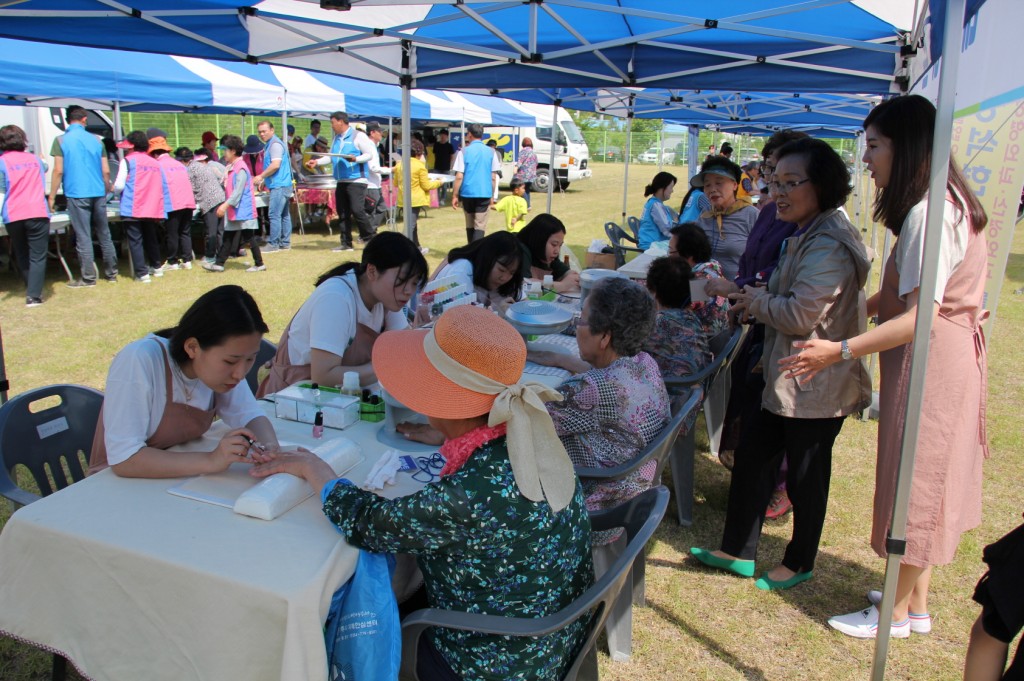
x: 991, y: 144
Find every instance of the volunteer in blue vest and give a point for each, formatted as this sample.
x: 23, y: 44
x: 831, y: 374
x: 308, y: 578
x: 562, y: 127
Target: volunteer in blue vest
x: 145, y: 200
x: 239, y: 208
x: 23, y: 209
x: 277, y: 176
x: 351, y: 154
x: 476, y: 169
x: 80, y: 164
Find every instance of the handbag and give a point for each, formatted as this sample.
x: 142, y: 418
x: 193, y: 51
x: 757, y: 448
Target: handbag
x: 363, y: 633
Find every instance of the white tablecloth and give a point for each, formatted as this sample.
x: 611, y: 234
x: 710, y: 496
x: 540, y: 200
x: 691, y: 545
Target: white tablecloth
x: 131, y: 582
x: 638, y: 266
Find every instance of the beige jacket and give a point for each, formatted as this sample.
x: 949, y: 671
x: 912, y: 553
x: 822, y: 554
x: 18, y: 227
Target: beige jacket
x: 816, y: 291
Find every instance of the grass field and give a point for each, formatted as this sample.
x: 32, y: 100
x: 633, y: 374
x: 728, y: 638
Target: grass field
x: 698, y: 624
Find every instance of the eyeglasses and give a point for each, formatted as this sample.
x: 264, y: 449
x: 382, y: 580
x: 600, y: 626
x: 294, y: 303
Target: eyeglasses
x: 785, y: 187
x: 767, y: 169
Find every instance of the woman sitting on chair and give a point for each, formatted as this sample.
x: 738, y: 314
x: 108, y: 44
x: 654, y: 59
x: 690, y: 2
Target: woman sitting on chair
x: 542, y: 241
x: 506, y: 515
x: 657, y: 219
x: 678, y: 342
x: 166, y: 388
x: 690, y: 244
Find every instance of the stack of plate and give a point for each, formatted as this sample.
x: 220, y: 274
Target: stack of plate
x: 537, y: 317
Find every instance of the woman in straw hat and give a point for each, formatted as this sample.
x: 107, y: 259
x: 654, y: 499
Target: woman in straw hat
x: 507, y: 513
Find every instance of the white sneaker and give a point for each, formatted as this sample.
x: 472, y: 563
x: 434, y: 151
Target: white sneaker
x: 156, y: 271
x: 257, y: 268
x: 212, y: 267
x: 171, y: 266
x: 186, y: 265
x: 919, y: 624
x: 864, y: 624
x: 145, y: 279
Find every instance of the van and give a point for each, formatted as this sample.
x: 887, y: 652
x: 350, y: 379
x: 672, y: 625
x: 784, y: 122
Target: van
x: 42, y: 125
x: 572, y: 157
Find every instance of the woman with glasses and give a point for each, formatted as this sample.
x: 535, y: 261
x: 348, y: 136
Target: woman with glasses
x: 730, y: 219
x: 814, y: 292
x: 945, y: 494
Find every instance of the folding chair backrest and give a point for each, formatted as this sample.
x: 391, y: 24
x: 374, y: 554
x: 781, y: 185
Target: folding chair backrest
x: 47, y: 441
x: 616, y: 235
x: 266, y: 353
x: 633, y: 223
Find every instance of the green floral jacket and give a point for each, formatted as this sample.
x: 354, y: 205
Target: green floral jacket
x: 483, y: 548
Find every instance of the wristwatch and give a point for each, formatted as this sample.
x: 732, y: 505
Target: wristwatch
x: 844, y: 350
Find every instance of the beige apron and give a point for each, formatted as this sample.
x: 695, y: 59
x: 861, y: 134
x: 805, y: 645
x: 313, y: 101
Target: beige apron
x: 283, y: 373
x: 179, y: 423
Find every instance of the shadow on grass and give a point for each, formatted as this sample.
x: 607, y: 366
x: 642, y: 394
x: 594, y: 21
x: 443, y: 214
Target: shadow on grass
x: 748, y: 672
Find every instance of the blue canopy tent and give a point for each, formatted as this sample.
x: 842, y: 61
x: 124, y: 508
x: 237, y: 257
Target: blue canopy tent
x: 827, y: 46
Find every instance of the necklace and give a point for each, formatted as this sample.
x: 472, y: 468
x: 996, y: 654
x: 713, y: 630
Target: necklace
x: 184, y: 382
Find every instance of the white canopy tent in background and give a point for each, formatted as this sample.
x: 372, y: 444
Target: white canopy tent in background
x: 831, y: 46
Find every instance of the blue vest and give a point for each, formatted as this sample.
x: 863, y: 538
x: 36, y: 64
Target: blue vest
x: 83, y: 158
x: 477, y: 178
x: 283, y: 176
x: 346, y: 144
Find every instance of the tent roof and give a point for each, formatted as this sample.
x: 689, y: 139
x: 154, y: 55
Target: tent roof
x: 769, y: 45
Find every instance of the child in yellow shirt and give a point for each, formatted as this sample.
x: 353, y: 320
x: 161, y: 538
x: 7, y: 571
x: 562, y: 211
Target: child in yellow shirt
x: 514, y: 207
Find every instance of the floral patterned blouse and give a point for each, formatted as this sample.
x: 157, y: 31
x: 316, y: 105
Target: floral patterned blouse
x: 678, y: 343
x: 608, y: 417
x: 483, y: 548
x: 714, y: 314
x: 527, y: 169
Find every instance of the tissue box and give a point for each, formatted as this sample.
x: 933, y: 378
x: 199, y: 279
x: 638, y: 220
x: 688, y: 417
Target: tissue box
x: 601, y: 261
x: 297, y: 403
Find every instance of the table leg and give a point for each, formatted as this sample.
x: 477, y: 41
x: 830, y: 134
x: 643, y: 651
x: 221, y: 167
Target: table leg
x: 60, y: 256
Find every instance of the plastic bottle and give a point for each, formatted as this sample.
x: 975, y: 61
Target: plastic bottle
x: 549, y: 281
x: 350, y: 384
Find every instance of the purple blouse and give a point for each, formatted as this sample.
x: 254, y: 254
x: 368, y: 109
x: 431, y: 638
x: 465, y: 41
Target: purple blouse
x: 764, y: 244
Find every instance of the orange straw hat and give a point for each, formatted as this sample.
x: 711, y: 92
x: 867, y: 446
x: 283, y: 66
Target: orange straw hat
x: 475, y: 337
x: 158, y: 143
x: 471, y: 364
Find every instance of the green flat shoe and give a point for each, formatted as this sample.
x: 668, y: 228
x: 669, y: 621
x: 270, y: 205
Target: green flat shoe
x: 766, y: 584
x: 741, y: 568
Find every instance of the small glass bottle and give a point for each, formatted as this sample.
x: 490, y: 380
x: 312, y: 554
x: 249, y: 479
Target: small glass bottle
x: 318, y: 425
x: 350, y: 384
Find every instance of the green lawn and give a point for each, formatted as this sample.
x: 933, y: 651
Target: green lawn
x: 698, y: 624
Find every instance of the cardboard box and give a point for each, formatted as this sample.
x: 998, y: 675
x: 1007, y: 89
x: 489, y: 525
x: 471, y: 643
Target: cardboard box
x: 601, y: 261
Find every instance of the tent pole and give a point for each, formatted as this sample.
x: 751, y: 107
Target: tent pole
x: 3, y: 373
x: 693, y: 152
x: 117, y: 130
x: 661, y: 147
x: 552, y: 175
x: 896, y: 543
x: 629, y: 153
x: 390, y: 146
x: 406, y: 138
x: 284, y: 126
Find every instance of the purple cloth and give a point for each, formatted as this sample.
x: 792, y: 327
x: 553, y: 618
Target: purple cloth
x: 763, y: 248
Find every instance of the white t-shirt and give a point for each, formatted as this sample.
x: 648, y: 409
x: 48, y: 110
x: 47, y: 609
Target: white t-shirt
x: 136, y: 395
x: 309, y: 141
x: 327, y: 320
x: 461, y: 269
x: 910, y: 248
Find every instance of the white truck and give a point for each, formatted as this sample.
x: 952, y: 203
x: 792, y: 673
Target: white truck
x: 572, y: 157
x: 42, y: 125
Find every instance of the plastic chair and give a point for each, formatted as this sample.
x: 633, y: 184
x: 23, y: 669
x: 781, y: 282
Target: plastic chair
x: 639, y: 516
x: 616, y: 235
x: 723, y: 347
x: 619, y: 626
x: 265, y: 354
x: 633, y: 223
x: 47, y: 442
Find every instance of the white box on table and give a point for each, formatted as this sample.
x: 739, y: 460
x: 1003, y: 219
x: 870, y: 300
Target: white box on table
x: 298, y: 403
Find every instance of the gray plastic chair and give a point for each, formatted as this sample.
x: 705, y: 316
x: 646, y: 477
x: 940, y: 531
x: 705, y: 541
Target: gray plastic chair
x: 639, y: 516
x: 633, y: 223
x: 724, y: 348
x: 616, y: 236
x: 265, y: 354
x: 47, y: 442
x: 619, y: 626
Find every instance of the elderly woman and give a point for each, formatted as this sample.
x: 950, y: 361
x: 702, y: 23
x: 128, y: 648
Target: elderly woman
x: 728, y: 223
x: 618, y: 403
x: 678, y: 342
x: 526, y: 168
x: 815, y: 292
x: 506, y: 515
x: 946, y: 488
x: 690, y: 244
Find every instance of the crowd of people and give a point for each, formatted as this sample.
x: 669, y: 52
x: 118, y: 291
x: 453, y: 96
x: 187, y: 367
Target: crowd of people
x: 793, y: 269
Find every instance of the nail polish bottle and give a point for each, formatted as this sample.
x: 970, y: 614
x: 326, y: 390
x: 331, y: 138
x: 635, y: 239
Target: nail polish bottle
x: 318, y: 425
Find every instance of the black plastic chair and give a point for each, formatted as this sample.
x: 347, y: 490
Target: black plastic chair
x: 616, y: 235
x: 640, y: 517
x: 266, y: 353
x: 620, y: 620
x: 633, y: 223
x: 723, y: 347
x: 47, y: 443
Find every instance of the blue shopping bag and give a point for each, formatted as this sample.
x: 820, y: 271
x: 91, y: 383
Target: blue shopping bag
x: 363, y: 633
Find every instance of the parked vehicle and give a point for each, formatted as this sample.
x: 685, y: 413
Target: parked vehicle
x: 572, y: 157
x: 668, y: 155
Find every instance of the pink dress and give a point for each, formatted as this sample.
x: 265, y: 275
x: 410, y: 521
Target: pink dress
x: 945, y: 496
